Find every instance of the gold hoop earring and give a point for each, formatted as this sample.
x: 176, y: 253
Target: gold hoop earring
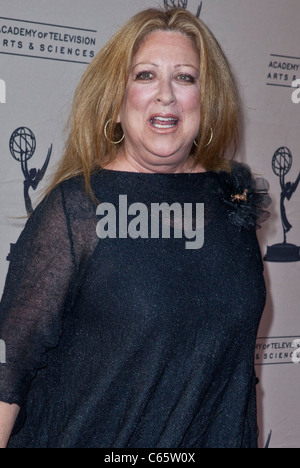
x: 210, y: 139
x: 105, y: 134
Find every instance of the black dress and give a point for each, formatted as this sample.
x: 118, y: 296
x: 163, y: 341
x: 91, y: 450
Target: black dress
x: 137, y: 342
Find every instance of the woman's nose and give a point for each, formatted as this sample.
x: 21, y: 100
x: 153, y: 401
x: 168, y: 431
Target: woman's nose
x: 165, y: 93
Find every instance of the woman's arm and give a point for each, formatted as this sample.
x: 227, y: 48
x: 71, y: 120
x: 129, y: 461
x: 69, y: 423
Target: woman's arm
x: 8, y: 416
x: 40, y: 274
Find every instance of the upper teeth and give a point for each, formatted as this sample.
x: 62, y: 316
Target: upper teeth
x: 164, y: 119
x: 163, y: 125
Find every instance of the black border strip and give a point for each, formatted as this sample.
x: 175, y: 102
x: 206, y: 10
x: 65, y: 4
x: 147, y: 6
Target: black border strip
x: 272, y: 337
x: 46, y: 24
x: 44, y: 58
x: 279, y: 85
x: 285, y: 56
x: 276, y: 364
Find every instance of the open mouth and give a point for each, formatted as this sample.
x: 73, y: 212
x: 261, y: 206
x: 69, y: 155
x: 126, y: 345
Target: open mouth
x: 164, y: 122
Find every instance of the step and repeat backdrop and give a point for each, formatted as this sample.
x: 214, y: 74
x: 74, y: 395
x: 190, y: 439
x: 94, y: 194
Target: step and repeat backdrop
x: 44, y: 49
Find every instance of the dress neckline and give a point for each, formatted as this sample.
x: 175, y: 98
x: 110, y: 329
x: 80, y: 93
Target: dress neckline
x: 180, y: 181
x: 152, y: 174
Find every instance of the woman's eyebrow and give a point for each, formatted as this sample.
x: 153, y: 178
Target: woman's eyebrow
x: 145, y: 63
x: 176, y: 66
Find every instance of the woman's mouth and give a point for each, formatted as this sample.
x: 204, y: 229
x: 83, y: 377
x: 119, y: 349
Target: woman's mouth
x: 163, y: 123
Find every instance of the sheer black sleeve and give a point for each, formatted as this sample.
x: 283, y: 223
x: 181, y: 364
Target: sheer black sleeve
x: 57, y: 239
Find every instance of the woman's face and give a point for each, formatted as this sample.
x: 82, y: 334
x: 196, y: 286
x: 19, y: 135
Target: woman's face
x: 160, y: 115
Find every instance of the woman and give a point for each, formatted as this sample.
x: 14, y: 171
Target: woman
x: 131, y: 340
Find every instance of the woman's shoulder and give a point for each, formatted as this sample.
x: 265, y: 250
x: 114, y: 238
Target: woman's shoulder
x: 245, y: 195
x: 69, y: 197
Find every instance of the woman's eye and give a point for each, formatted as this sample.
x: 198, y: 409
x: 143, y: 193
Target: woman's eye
x: 186, y: 78
x: 144, y: 76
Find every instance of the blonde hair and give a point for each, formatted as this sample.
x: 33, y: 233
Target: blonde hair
x: 100, y: 93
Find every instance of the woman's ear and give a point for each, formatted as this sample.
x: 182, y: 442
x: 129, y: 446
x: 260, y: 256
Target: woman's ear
x: 119, y: 116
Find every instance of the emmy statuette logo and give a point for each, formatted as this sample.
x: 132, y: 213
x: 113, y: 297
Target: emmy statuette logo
x: 2, y: 92
x: 22, y: 147
x: 181, y: 4
x: 285, y: 252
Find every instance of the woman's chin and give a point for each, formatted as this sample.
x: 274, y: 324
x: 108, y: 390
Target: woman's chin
x: 166, y: 151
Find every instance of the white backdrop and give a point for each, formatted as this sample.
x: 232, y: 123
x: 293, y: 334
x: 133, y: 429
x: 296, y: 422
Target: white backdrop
x: 44, y: 49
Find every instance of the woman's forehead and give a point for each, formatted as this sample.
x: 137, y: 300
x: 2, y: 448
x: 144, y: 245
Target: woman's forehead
x: 166, y: 42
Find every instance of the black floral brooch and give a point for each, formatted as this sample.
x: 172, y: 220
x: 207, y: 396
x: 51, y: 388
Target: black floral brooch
x: 245, y: 197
